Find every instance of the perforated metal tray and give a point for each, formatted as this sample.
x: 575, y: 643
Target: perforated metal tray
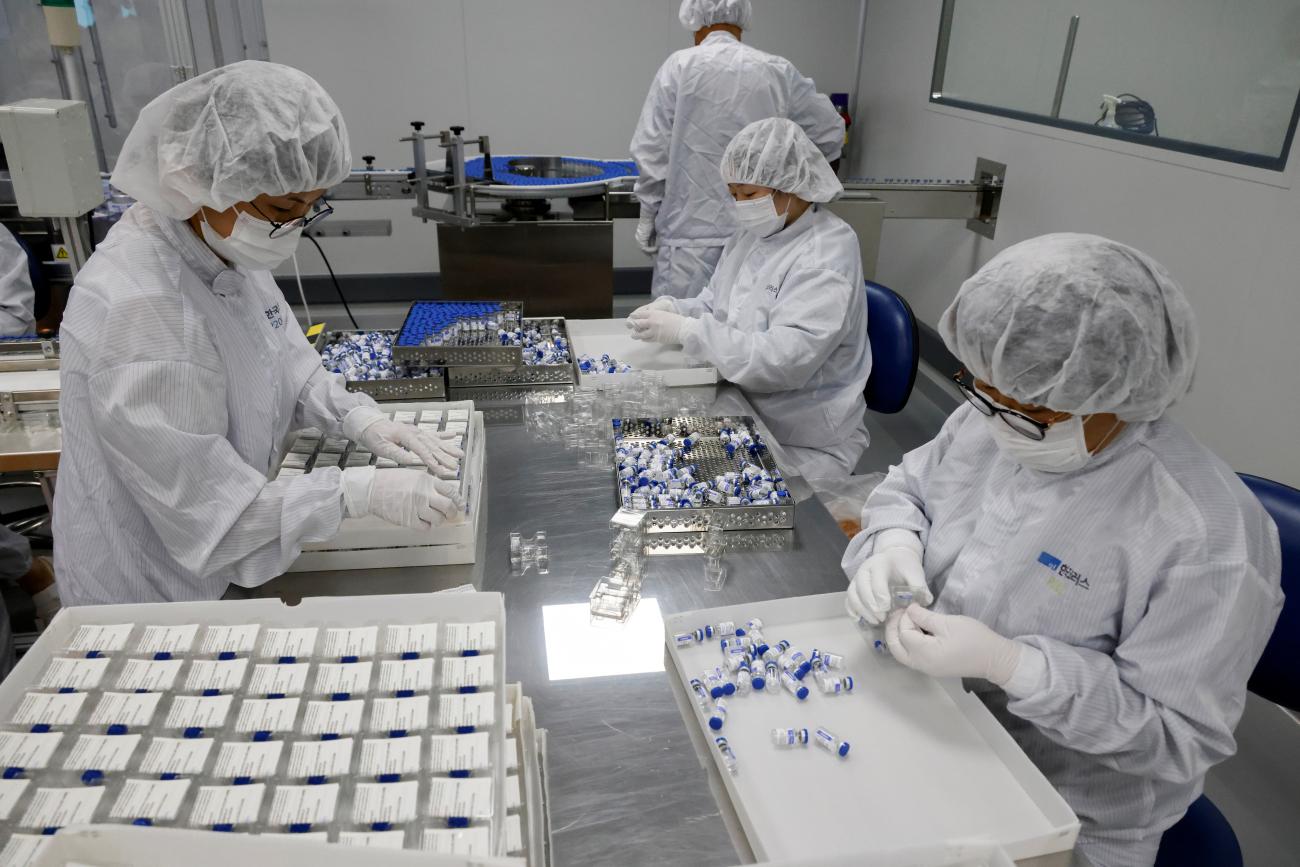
x: 516, y: 373
x: 482, y: 349
x: 710, y: 457
x: 423, y: 388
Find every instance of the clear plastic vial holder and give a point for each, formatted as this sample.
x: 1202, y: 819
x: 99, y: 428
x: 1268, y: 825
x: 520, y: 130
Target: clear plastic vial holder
x: 715, y: 570
x: 875, y: 634
x: 529, y: 552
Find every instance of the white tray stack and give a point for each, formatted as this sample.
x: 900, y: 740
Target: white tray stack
x: 927, y: 763
x: 377, y: 721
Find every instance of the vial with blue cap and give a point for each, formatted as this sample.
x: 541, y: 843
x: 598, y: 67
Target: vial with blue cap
x: 728, y: 757
x: 771, y: 677
x: 794, y: 687
x: 786, y: 738
x: 831, y: 743
x: 719, y: 716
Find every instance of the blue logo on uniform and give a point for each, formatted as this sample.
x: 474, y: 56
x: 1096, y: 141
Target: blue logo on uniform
x: 1055, y: 564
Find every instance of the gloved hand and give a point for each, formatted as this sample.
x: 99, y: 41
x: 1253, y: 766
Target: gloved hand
x: 896, y: 564
x: 407, y: 498
x: 950, y: 645
x: 403, y: 443
x: 646, y: 236
x: 657, y: 326
x: 663, y: 302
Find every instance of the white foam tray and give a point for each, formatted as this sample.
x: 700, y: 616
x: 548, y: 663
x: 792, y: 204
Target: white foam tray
x: 929, y: 763
x: 597, y: 337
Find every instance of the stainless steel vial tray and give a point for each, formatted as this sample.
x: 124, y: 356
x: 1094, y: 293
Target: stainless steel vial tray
x: 407, y: 388
x: 517, y: 373
x: 469, y: 348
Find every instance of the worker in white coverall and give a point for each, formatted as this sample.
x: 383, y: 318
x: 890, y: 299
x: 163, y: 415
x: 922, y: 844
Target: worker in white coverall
x: 700, y: 98
x: 1105, y: 581
x: 784, y: 316
x: 184, y: 369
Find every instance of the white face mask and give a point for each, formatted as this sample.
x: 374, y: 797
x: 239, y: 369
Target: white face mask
x: 250, y: 243
x: 759, y: 216
x: 1062, y: 450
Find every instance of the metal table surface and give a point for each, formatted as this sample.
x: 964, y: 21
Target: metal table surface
x: 626, y: 785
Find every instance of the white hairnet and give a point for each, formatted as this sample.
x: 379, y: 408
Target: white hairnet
x: 698, y: 14
x: 230, y: 135
x: 1078, y: 324
x: 777, y: 153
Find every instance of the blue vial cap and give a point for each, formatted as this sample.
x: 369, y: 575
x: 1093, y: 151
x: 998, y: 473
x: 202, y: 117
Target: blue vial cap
x: 91, y: 777
x: 166, y: 777
x: 801, y: 693
x: 758, y: 681
x: 116, y: 729
x: 387, y: 778
x: 48, y: 832
x: 715, y: 723
x: 275, y: 695
x: 287, y: 660
x: 329, y: 736
x: 226, y: 654
x: 193, y: 732
x: 740, y: 632
x: 13, y: 773
x: 261, y: 736
x: 241, y: 781
x: 465, y: 730
x: 224, y: 826
x: 162, y: 656
x: 458, y: 775
x: 380, y: 826
x: 346, y: 659
x: 715, y: 692
x: 457, y: 822
x: 93, y: 654
x: 802, y: 671
x: 142, y: 822
x: 469, y: 653
x: 340, y: 696
x: 760, y: 649
x: 397, y: 733
x: 728, y: 688
x: 40, y: 728
x: 404, y: 693
x: 465, y: 690
x: 316, y: 780
x: 410, y: 654
x: 844, y: 749
x: 140, y: 691
x: 211, y: 692
x: 300, y: 827
x: 64, y: 690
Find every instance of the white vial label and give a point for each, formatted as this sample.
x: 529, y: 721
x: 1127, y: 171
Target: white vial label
x: 288, y: 679
x: 411, y: 638
x: 176, y: 756
x: 413, y: 674
x: 167, y: 639
x: 399, y: 714
x: 456, y: 841
x: 256, y: 759
x: 339, y: 677
x: 224, y: 675
x: 267, y: 715
x: 22, y: 849
x: 390, y: 756
x: 294, y: 805
x: 289, y: 642
x: 469, y: 636
x: 150, y: 799
x: 106, y: 639
x: 373, y: 839
x: 385, y: 802
x: 462, y: 671
x: 28, y: 750
x: 459, y: 752
x: 474, y: 709
x: 333, y: 717
x: 227, y: 805
x: 11, y: 792
x: 230, y: 639
x: 203, y: 711
x: 320, y: 758
x: 357, y: 641
x: 149, y: 674
x: 125, y: 708
x: 67, y: 672
x: 57, y: 808
x: 101, y: 753
x: 470, y: 798
x: 48, y: 708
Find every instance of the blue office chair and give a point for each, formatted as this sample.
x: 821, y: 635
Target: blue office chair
x: 895, y: 349
x: 1203, y: 835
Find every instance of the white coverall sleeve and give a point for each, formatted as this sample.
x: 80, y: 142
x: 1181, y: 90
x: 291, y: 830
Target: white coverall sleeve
x: 899, y: 502
x: 813, y: 111
x: 653, y: 139
x: 805, y: 326
x: 162, y: 426
x: 17, y: 297
x: 325, y: 401
x: 1164, y: 704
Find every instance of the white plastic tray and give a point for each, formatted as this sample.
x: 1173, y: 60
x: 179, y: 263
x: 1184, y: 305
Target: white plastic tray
x: 597, y: 337
x: 929, y: 764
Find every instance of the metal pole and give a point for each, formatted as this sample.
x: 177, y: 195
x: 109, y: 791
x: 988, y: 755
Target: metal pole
x: 56, y: 57
x: 109, y: 114
x: 84, y: 78
x: 1065, y: 65
x: 78, y: 250
x: 941, y: 50
x: 214, y: 32
x: 855, y: 92
x: 179, y: 38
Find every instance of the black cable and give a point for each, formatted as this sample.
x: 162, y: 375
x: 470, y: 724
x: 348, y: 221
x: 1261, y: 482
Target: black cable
x: 337, y: 287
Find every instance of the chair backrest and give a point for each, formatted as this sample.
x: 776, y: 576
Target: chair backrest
x: 1277, y: 676
x: 895, y: 349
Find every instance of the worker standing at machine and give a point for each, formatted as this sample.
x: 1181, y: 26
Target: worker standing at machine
x: 700, y: 98
x: 784, y: 315
x: 1105, y: 581
x: 184, y: 369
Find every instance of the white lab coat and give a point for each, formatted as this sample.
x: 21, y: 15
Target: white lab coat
x: 17, y: 298
x: 785, y: 318
x: 700, y: 98
x: 1147, y: 584
x: 180, y: 380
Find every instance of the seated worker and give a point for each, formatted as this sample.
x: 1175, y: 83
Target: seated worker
x: 1106, y: 580
x: 784, y: 316
x: 17, y: 297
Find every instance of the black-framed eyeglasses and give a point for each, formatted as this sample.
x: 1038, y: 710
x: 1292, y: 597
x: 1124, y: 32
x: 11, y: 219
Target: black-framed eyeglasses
x: 279, y: 230
x: 1017, y: 421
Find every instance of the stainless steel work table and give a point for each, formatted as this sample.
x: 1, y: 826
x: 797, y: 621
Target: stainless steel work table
x: 626, y: 785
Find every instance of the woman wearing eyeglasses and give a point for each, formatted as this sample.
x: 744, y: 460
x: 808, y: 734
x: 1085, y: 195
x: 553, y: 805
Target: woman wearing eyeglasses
x: 1106, y: 581
x: 183, y: 368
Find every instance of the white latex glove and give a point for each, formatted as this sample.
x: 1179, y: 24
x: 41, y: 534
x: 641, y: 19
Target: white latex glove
x: 663, y: 302
x: 896, y: 564
x: 950, y: 645
x: 404, y: 443
x: 408, y: 498
x: 658, y: 326
x: 646, y: 236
